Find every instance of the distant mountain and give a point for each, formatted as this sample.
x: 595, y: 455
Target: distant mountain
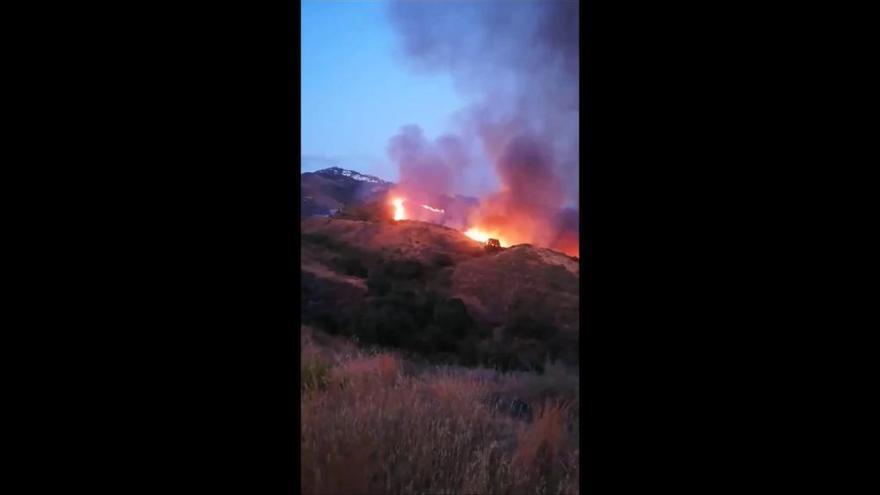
x: 326, y: 191
x: 335, y: 172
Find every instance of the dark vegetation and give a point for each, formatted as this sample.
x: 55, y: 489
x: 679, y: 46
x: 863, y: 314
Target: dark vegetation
x: 327, y: 190
x: 407, y: 305
x: 365, y: 211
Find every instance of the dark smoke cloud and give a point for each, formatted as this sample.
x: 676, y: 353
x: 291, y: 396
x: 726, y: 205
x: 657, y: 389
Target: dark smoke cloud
x: 518, y: 62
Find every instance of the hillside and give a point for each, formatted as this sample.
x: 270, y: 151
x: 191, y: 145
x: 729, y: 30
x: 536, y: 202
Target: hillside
x: 522, y: 276
x: 404, y: 239
x: 329, y: 190
x: 430, y: 289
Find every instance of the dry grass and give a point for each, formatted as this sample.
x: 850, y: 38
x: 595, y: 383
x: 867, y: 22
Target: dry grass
x: 384, y: 430
x: 541, y: 446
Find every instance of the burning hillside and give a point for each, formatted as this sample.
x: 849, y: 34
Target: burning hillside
x: 509, y: 226
x: 517, y: 63
x: 477, y: 234
x: 336, y: 192
x: 515, y: 144
x: 342, y: 253
x: 467, y: 260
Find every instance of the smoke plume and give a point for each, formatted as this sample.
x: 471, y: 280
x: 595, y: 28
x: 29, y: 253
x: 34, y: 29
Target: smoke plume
x: 427, y: 169
x: 518, y: 63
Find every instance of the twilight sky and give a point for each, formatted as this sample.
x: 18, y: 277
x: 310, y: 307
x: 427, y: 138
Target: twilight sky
x: 355, y: 91
x: 447, y: 97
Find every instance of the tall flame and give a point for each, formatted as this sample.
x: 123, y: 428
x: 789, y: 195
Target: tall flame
x: 399, y: 213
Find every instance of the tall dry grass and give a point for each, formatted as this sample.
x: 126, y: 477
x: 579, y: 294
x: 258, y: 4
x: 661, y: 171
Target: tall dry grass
x: 377, y: 429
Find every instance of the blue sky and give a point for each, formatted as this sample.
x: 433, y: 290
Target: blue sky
x: 356, y: 93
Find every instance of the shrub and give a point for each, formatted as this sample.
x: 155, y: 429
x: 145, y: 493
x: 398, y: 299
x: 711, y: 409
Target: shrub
x: 314, y: 375
x: 563, y: 347
x: 328, y: 321
x: 351, y: 266
x: 362, y: 212
x: 439, y: 340
x: 526, y: 326
x: 386, y: 325
x: 378, y: 283
x: 452, y: 316
x: 319, y: 239
x: 469, y: 351
x: 405, y: 269
x: 442, y: 260
x: 540, y: 445
x: 396, y: 328
x: 501, y: 359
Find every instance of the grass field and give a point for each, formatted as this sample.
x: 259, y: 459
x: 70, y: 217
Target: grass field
x: 376, y: 423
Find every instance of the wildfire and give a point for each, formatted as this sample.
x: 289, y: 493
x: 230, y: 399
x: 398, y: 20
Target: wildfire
x: 474, y: 233
x: 399, y: 212
x: 431, y: 208
x: 482, y: 236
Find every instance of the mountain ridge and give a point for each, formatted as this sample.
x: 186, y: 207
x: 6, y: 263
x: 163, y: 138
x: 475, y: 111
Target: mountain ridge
x: 327, y: 191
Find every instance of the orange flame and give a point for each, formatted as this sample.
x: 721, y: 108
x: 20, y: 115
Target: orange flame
x: 399, y: 212
x: 483, y: 236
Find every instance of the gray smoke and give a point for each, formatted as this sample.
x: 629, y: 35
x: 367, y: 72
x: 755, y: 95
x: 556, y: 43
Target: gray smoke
x: 518, y: 63
x: 427, y: 169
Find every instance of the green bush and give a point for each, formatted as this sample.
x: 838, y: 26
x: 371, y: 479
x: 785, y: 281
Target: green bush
x: 502, y: 359
x: 314, y: 375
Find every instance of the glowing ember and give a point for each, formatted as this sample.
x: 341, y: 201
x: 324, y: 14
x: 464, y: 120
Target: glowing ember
x: 435, y: 210
x: 399, y: 213
x: 482, y: 236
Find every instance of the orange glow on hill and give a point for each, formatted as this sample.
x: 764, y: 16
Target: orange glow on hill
x: 483, y: 236
x: 521, y: 231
